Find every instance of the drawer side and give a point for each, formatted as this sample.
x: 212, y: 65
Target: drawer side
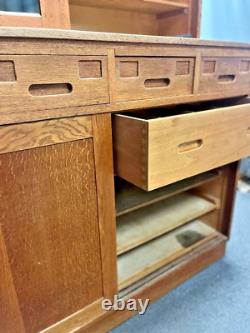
x: 211, y: 139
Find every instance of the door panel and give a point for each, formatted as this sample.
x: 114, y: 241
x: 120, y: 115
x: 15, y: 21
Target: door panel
x: 50, y: 230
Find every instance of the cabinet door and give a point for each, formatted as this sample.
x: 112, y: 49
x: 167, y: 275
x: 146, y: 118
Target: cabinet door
x: 53, y: 224
x: 35, y: 13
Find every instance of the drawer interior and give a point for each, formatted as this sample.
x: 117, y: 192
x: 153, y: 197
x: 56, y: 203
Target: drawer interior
x: 156, y: 219
x: 171, y: 111
x: 130, y: 197
x: 159, y: 227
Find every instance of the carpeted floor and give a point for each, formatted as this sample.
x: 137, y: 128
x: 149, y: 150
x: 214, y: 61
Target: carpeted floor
x: 215, y: 301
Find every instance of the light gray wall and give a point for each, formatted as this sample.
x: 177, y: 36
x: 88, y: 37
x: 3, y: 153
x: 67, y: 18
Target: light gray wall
x: 227, y: 20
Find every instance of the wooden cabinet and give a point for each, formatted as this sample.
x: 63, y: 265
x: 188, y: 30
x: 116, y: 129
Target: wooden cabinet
x: 54, y: 245
x: 74, y: 230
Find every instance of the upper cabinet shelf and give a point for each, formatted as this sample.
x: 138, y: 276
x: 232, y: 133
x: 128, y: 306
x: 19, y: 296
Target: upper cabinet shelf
x: 144, y: 17
x: 146, y: 6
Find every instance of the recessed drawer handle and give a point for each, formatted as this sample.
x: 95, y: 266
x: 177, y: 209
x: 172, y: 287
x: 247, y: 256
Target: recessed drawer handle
x: 49, y: 89
x: 226, y: 78
x: 157, y: 83
x: 189, y: 146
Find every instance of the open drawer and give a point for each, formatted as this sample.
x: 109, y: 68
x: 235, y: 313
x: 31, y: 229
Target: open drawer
x: 157, y: 147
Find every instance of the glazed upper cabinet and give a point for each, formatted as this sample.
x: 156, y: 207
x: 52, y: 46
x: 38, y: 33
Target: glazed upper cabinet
x: 62, y: 249
x: 53, y: 218
x: 35, y: 13
x: 147, y: 17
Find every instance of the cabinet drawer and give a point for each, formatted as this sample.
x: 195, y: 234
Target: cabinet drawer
x: 224, y: 74
x: 47, y: 82
x: 153, y: 77
x: 156, y: 149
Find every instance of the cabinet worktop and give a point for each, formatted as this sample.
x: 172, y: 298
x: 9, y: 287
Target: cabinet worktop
x: 113, y: 37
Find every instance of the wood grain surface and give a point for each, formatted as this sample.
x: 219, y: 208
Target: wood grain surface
x: 104, y: 173
x: 44, y: 133
x: 47, y: 82
x: 160, y: 138
x: 138, y: 263
x: 130, y: 197
x: 158, y: 77
x: 50, y: 229
x: 54, y: 78
x: 10, y: 315
x: 144, y: 224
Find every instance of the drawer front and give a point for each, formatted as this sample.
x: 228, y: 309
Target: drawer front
x: 47, y: 82
x: 223, y: 74
x: 153, y: 77
x: 154, y: 153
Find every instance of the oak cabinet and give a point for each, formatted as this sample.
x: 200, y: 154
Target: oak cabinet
x: 51, y: 246
x: 75, y: 231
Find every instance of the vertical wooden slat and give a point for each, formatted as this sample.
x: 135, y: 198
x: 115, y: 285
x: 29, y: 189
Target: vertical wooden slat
x: 197, y: 73
x: 111, y: 74
x: 231, y: 175
x: 55, y: 14
x: 106, y: 201
x: 195, y: 17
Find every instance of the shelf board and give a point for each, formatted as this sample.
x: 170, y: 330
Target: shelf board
x: 142, y: 261
x: 146, y: 6
x: 130, y: 197
x: 138, y: 227
x: 168, y: 268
